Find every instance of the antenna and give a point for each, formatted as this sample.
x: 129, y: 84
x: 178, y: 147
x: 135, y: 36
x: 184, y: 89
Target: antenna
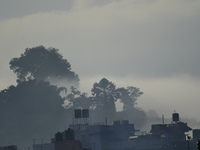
x: 163, y: 120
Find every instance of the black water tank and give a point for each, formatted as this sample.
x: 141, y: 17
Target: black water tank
x: 78, y: 113
x: 125, y: 122
x: 58, y: 136
x: 69, y: 134
x: 85, y: 113
x: 175, y: 117
x: 117, y: 122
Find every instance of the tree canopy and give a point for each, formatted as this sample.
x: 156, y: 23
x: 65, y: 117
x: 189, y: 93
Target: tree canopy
x: 42, y: 63
x: 77, y: 100
x: 104, y: 95
x: 29, y: 107
x: 35, y: 104
x: 128, y: 96
x: 103, y: 99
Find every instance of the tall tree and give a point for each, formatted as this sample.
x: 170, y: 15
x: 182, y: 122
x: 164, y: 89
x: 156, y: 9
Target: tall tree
x: 34, y: 104
x: 105, y: 94
x: 42, y: 63
x: 30, y: 110
x: 128, y: 96
x: 104, y: 97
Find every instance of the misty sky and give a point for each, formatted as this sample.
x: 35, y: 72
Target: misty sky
x: 151, y: 44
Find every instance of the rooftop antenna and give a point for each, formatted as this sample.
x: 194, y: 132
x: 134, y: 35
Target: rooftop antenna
x: 163, y: 120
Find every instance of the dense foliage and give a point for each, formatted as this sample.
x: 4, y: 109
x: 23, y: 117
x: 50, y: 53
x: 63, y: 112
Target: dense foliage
x: 29, y: 109
x: 34, y: 107
x: 102, y: 103
x: 42, y: 63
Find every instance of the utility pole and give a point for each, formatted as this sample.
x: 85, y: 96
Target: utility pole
x: 188, y: 142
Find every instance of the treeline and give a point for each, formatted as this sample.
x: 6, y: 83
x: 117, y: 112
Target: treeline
x: 36, y: 108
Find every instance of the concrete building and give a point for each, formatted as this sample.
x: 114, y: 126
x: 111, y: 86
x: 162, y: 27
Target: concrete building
x: 68, y: 145
x: 81, y: 133
x: 98, y: 137
x: 10, y: 147
x: 121, y: 135
x: 63, y: 141
x: 45, y: 146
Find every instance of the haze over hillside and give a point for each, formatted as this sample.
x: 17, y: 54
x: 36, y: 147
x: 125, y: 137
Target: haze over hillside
x: 150, y: 44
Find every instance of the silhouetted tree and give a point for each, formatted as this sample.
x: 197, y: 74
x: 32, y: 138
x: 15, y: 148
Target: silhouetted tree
x: 128, y: 96
x: 30, y: 110
x: 105, y: 94
x: 104, y: 98
x: 76, y: 99
x: 34, y: 104
x: 33, y: 107
x: 42, y: 64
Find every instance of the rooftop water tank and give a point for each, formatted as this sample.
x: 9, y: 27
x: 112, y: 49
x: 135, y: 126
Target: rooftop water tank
x: 85, y: 113
x: 117, y: 122
x: 125, y: 122
x: 78, y: 113
x: 175, y: 117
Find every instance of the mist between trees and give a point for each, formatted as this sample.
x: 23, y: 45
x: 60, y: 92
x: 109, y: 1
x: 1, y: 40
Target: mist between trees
x: 37, y: 107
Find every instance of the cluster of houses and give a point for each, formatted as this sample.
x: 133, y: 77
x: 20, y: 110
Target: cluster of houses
x: 121, y: 135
